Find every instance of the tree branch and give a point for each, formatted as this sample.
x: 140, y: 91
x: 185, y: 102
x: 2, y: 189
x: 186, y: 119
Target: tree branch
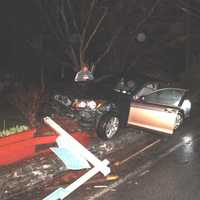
x: 109, y: 46
x: 74, y: 59
x: 95, y: 30
x: 87, y: 23
x: 149, y: 14
x: 111, y: 43
x: 66, y: 25
x: 62, y: 13
x: 73, y: 17
x: 46, y: 16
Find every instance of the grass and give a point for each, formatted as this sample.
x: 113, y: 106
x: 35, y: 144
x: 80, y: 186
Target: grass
x: 13, y: 130
x: 11, y: 119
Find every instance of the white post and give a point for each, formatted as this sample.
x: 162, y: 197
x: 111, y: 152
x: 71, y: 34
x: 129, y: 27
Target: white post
x: 66, y: 140
x: 77, y: 146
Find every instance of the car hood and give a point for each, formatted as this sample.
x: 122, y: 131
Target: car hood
x: 89, y: 90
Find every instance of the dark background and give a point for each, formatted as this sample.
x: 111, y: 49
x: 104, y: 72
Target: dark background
x: 170, y: 50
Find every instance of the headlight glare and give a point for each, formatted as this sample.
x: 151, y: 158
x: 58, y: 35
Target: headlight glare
x: 81, y: 104
x: 91, y: 104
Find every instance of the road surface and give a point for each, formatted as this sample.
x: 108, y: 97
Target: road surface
x: 166, y: 168
x: 145, y: 165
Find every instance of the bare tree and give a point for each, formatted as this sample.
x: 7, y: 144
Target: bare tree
x: 70, y: 23
x: 88, y: 30
x: 77, y: 25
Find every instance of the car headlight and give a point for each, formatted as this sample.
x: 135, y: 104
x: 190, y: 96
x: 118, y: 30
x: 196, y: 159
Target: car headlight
x: 62, y: 99
x: 92, y: 104
x: 81, y: 104
x: 84, y: 104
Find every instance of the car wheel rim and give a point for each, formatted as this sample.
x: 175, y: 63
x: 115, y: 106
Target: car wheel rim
x: 112, y: 127
x: 179, y: 120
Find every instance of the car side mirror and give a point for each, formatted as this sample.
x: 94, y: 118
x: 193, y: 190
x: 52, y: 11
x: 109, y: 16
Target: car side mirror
x: 141, y: 98
x: 136, y: 98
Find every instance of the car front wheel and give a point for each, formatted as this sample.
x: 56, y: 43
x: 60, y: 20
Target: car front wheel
x: 108, y: 126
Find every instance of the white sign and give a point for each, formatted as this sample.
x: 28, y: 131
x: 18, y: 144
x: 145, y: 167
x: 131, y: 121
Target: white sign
x: 78, y: 157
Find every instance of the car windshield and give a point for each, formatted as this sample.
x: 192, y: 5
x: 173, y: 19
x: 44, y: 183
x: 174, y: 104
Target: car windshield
x: 125, y: 86
x: 100, y: 87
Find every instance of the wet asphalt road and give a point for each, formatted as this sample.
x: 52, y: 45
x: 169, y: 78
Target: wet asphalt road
x: 175, y: 177
x: 150, y: 167
x: 168, y: 170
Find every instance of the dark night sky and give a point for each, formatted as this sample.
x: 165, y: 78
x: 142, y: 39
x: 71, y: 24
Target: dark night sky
x: 19, y: 22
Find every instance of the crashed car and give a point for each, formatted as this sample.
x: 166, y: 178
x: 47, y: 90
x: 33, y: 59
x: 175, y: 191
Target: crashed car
x: 110, y: 103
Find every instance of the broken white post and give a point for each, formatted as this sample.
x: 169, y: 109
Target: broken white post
x: 68, y: 141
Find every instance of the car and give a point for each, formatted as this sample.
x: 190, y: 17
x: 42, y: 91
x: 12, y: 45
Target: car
x: 113, y: 102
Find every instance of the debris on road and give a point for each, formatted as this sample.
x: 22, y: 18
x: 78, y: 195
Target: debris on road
x: 143, y: 173
x: 137, y: 153
x: 54, y: 173
x: 112, y: 178
x: 102, y: 180
x: 100, y: 186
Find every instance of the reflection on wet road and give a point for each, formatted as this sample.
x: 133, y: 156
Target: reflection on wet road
x: 174, y: 177
x: 168, y: 170
x: 145, y: 165
x: 171, y: 174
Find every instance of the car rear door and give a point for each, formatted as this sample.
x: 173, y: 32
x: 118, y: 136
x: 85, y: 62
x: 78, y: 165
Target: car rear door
x: 156, y: 111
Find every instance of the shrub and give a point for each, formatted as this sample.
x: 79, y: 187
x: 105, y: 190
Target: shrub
x: 29, y: 101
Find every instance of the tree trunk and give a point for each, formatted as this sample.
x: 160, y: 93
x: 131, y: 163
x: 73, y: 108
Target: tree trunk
x: 42, y: 77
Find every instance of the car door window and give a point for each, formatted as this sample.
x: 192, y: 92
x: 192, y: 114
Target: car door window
x: 147, y: 89
x: 170, y: 97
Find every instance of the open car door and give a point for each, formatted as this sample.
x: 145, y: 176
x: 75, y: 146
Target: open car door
x: 157, y: 111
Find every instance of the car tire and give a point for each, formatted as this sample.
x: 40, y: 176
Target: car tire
x: 179, y: 120
x: 108, y: 125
